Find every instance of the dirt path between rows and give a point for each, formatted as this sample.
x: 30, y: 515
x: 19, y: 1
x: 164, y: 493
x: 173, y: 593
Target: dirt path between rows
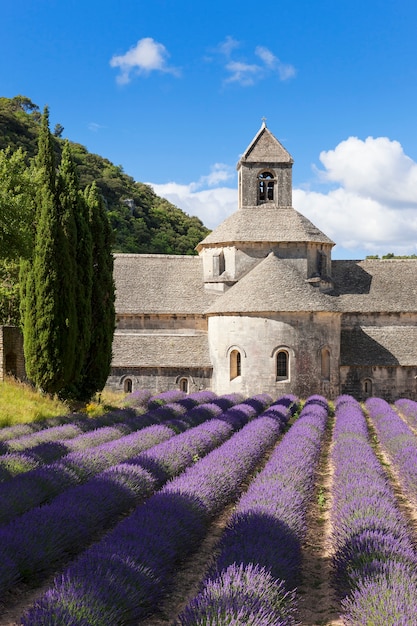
x: 317, y: 600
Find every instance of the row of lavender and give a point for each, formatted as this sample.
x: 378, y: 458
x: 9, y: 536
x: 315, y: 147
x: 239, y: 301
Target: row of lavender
x: 26, y: 446
x: 374, y: 558
x: 259, y: 562
x: 40, y: 485
x: 142, y: 400
x: 122, y: 578
x: 374, y: 555
x: 398, y: 441
x: 33, y: 542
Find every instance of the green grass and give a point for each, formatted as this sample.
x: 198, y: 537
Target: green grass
x: 20, y: 403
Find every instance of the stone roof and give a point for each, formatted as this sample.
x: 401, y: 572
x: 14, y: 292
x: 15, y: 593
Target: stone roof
x: 136, y: 349
x: 160, y: 283
x: 373, y: 346
x: 265, y: 148
x: 272, y: 285
x: 265, y: 224
x: 376, y: 285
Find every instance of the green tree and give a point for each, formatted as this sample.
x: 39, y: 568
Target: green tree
x: 9, y: 293
x: 23, y: 103
x: 17, y: 192
x: 58, y: 130
x: 47, y: 288
x: 76, y: 230
x: 97, y: 363
x: 73, y: 199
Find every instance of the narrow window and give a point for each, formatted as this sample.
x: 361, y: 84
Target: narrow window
x: 219, y: 265
x: 325, y: 364
x: 222, y: 265
x: 367, y: 387
x: 127, y: 385
x: 262, y: 194
x: 321, y: 263
x: 235, y: 364
x: 266, y: 186
x: 184, y: 384
x: 282, y: 365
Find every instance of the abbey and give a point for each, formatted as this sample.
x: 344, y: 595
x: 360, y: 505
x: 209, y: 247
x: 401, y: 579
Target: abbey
x: 263, y: 308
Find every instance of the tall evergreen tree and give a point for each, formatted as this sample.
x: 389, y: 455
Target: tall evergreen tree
x: 74, y: 206
x: 98, y: 361
x: 48, y: 284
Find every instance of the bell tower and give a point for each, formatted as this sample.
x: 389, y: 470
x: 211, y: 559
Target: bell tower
x: 265, y: 173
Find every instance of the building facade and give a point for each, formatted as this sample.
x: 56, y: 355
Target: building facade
x: 263, y: 308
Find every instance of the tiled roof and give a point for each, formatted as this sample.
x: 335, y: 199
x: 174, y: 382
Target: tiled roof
x: 273, y: 285
x: 158, y: 283
x: 136, y: 349
x: 373, y: 346
x: 376, y: 285
x: 265, y: 224
x: 265, y: 148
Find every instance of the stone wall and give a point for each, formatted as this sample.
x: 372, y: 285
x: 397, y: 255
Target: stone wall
x: 12, y: 361
x: 259, y: 338
x: 249, y: 183
x: 389, y: 383
x: 158, y: 379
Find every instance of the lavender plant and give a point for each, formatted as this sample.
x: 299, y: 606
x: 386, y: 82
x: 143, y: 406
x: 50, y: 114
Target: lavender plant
x: 399, y: 442
x: 40, y: 485
x: 374, y: 557
x: 122, y: 578
x: 408, y: 408
x: 33, y: 542
x: 41, y: 536
x: 260, y: 552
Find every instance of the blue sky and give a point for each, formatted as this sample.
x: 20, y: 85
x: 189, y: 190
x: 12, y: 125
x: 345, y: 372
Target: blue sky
x: 175, y: 90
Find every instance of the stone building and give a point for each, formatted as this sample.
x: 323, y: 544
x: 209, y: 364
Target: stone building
x: 12, y: 360
x: 263, y: 308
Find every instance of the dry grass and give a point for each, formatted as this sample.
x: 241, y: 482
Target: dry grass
x: 20, y: 403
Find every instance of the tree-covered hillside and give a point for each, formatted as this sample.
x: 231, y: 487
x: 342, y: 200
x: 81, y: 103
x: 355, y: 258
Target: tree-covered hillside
x: 141, y: 221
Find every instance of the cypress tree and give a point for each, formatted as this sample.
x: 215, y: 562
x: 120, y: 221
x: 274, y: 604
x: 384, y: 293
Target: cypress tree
x: 73, y: 203
x: 97, y: 364
x: 48, y: 292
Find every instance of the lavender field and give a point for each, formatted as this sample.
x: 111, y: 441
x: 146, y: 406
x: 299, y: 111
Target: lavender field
x: 205, y: 510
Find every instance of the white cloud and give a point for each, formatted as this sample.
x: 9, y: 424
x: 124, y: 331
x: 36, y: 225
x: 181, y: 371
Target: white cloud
x: 285, y: 71
x: 371, y: 207
x: 248, y: 73
x: 376, y: 166
x: 211, y: 205
x: 228, y: 45
x: 374, y: 204
x: 242, y: 73
x: 146, y: 56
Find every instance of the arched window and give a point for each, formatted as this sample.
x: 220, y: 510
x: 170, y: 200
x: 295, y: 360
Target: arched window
x: 325, y: 364
x: 127, y: 385
x: 235, y: 364
x: 282, y: 365
x: 266, y: 186
x: 183, y: 383
x: 367, y: 387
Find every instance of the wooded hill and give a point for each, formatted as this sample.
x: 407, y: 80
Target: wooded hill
x: 141, y: 221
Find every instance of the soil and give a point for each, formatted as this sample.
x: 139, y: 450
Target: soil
x: 317, y: 601
x: 318, y: 604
